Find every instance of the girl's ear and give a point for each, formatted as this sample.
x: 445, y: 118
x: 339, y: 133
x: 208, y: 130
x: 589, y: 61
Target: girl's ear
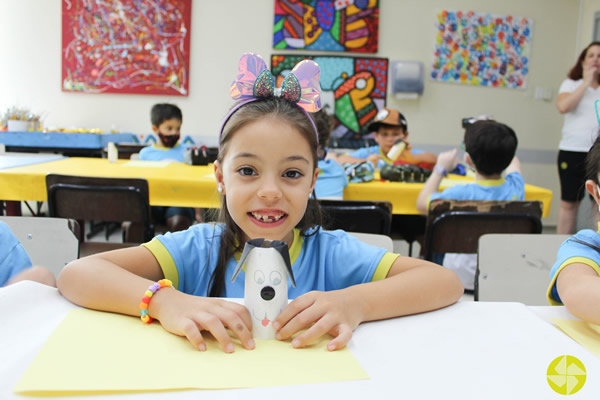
x: 219, y: 176
x: 314, y: 180
x: 592, y: 189
x: 405, y: 134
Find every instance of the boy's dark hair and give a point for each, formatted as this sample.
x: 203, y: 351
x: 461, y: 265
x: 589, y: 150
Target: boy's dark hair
x: 491, y: 145
x: 163, y: 112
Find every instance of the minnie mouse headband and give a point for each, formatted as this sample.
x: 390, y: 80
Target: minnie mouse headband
x: 254, y: 81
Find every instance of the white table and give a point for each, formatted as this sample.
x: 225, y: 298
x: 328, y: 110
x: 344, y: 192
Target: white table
x: 471, y: 350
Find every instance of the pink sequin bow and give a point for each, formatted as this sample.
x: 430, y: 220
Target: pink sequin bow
x: 300, y: 86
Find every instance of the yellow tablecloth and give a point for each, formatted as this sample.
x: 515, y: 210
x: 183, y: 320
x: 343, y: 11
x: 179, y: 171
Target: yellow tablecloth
x: 183, y: 185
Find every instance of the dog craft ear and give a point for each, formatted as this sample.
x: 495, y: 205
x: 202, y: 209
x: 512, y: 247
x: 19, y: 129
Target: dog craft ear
x: 248, y: 247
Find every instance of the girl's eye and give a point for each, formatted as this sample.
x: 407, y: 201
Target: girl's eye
x: 246, y: 171
x: 293, y: 174
x: 275, y: 278
x: 259, y: 277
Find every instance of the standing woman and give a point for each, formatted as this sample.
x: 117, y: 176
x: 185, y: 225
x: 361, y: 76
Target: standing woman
x: 576, y: 101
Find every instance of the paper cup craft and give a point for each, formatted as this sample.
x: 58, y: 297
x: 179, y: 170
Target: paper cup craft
x: 266, y: 287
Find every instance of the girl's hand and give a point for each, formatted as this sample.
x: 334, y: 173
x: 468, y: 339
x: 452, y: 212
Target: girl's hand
x: 186, y: 315
x: 320, y: 313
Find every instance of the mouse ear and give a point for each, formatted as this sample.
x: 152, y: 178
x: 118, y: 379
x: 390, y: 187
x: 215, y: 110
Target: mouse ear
x: 248, y: 247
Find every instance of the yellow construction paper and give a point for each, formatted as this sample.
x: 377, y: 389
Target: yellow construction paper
x: 93, y: 352
x: 584, y: 333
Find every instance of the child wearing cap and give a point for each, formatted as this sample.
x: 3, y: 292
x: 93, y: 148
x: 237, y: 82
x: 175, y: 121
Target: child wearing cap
x: 389, y: 126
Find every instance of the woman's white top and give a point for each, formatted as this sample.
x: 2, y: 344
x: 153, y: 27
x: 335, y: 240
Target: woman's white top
x: 580, y: 128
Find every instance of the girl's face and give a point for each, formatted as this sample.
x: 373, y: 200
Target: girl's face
x: 592, y: 57
x: 267, y: 175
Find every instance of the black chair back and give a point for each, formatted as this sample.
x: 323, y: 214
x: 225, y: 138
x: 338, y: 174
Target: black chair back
x: 101, y: 199
x: 454, y: 226
x: 357, y: 216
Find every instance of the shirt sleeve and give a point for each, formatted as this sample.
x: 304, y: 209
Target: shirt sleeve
x: 568, y: 85
x: 354, y: 262
x: 13, y: 261
x: 571, y: 252
x: 360, y: 153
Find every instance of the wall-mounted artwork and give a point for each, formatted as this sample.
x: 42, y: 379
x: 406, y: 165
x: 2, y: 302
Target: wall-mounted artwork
x: 482, y: 49
x: 329, y: 25
x: 353, y: 89
x: 126, y: 46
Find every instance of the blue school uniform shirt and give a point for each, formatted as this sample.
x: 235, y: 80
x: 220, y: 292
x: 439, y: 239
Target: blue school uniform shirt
x: 331, y: 181
x: 327, y: 260
x: 13, y: 258
x: 511, y: 187
x: 571, y: 252
x: 159, y: 153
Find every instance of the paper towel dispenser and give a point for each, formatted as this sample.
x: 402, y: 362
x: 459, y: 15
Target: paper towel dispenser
x: 407, y: 79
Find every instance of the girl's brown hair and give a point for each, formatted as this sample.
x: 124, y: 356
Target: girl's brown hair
x: 576, y: 72
x: 273, y: 107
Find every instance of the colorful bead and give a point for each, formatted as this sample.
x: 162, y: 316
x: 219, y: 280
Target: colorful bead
x: 148, y: 295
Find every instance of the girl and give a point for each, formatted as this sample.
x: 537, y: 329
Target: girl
x: 266, y: 172
x: 576, y: 101
x: 576, y: 273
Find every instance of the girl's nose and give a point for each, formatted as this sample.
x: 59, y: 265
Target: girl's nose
x: 269, y: 189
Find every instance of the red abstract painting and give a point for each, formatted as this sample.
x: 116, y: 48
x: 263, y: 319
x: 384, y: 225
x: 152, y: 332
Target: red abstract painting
x: 126, y: 46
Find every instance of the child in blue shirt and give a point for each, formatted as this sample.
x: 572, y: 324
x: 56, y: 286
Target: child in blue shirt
x: 388, y: 126
x: 332, y: 177
x: 490, y: 150
x: 266, y: 172
x: 575, y: 277
x: 166, y: 123
x: 15, y: 264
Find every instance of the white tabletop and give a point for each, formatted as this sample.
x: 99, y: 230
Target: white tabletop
x: 468, y: 350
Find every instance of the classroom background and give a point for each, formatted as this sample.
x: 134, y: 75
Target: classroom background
x: 222, y: 30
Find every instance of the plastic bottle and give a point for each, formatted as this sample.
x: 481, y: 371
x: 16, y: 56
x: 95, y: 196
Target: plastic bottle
x: 396, y: 149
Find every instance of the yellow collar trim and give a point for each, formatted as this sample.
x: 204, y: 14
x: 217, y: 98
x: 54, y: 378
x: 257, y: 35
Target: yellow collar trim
x: 295, y: 249
x: 491, y: 182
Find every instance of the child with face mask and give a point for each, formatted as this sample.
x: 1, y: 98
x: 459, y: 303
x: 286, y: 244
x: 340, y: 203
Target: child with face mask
x: 166, y: 123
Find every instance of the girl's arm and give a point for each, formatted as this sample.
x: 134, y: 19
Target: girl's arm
x: 116, y: 281
x: 579, y: 288
x: 412, y: 286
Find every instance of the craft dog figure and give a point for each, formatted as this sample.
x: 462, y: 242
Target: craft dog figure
x: 266, y: 286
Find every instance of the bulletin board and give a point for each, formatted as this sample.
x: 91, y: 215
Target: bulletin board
x: 353, y: 89
x: 126, y: 46
x: 482, y: 49
x: 330, y: 25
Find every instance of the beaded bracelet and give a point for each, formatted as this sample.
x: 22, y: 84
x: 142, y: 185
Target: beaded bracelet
x: 155, y: 287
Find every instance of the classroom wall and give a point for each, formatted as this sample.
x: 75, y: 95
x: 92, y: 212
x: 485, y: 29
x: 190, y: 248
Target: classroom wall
x: 586, y: 31
x: 30, y: 31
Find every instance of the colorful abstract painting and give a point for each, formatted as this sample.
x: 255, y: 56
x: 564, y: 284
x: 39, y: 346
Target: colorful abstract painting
x: 126, y: 46
x: 330, y: 25
x: 354, y: 89
x: 482, y: 49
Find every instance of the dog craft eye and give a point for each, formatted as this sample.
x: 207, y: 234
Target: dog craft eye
x: 275, y: 278
x: 259, y: 277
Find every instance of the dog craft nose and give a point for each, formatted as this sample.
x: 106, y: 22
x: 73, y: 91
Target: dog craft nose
x: 267, y: 293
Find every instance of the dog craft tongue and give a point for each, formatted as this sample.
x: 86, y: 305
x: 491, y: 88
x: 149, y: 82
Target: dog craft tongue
x: 267, y: 267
